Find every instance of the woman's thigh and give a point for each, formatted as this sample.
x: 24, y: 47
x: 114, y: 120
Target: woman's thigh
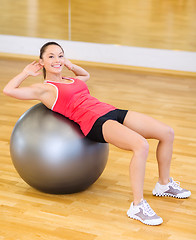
x: 122, y: 137
x: 146, y: 126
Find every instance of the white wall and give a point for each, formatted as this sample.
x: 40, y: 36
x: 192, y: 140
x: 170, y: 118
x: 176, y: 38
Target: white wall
x: 105, y: 53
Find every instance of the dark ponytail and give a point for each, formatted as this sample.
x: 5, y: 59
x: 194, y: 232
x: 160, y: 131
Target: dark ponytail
x: 43, y: 49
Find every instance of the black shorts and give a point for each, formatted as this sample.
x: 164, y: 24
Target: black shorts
x: 96, y: 133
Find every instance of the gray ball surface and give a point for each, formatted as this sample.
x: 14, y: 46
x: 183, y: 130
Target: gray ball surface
x: 51, y: 154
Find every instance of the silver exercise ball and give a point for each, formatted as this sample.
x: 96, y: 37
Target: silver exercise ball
x: 51, y: 154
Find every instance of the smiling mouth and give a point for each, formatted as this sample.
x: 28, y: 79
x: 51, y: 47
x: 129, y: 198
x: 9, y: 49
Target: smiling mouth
x: 56, y: 66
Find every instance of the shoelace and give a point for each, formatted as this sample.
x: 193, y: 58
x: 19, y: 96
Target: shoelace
x: 147, y: 208
x: 176, y: 184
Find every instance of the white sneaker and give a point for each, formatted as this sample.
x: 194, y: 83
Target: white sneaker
x: 144, y: 213
x: 172, y: 189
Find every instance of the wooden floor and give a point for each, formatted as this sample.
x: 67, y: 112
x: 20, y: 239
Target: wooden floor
x: 168, y: 24
x: 99, y: 213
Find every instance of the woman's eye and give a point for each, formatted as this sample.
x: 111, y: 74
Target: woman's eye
x: 61, y: 56
x: 50, y: 56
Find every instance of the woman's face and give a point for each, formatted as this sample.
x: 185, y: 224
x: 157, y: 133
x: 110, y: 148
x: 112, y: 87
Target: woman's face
x: 53, y: 59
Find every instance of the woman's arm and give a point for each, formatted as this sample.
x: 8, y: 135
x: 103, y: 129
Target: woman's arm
x: 78, y: 71
x: 13, y: 88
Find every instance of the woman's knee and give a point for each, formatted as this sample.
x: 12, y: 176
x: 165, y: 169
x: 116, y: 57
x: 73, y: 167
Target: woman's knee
x: 142, y: 147
x: 168, y: 134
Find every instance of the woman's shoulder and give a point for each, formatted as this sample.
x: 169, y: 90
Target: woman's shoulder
x: 41, y: 87
x: 38, y: 85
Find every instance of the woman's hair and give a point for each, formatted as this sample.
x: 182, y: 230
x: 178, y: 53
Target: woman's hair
x: 43, y: 49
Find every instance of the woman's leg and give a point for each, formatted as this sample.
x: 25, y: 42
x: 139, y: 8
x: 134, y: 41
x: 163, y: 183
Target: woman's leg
x: 152, y: 128
x: 125, y: 138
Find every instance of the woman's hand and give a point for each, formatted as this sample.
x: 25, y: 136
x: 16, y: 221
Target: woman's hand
x: 13, y: 88
x: 33, y: 69
x: 78, y: 71
x: 68, y: 64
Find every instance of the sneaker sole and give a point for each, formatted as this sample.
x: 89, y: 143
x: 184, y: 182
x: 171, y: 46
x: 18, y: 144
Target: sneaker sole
x: 169, y: 195
x: 139, y: 219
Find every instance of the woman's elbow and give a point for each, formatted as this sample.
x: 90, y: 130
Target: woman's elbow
x: 6, y: 91
x: 87, y: 77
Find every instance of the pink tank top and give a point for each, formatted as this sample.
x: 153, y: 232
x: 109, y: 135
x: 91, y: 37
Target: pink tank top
x: 75, y: 102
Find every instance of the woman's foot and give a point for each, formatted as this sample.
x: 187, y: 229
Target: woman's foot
x: 172, y: 189
x: 144, y: 213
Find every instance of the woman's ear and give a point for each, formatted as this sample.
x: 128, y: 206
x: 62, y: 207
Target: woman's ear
x: 41, y: 62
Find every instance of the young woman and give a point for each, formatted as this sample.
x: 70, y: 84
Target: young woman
x: 102, y: 122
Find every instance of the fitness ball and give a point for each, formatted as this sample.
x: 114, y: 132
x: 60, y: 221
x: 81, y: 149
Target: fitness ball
x: 51, y: 154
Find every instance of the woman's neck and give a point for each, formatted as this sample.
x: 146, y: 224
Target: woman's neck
x: 54, y: 77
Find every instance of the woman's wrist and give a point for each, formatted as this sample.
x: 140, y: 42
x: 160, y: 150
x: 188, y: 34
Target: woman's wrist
x: 24, y: 74
x: 72, y: 67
